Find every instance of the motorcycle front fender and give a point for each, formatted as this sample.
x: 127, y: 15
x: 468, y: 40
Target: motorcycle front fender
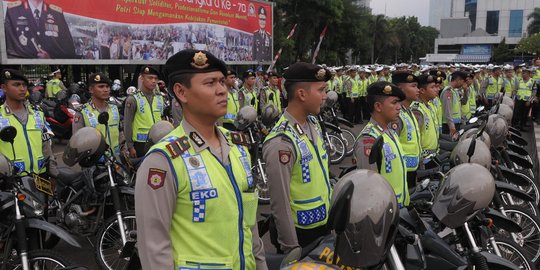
x: 344, y: 121
x: 332, y: 127
x: 127, y: 190
x: 496, y: 262
x: 51, y: 228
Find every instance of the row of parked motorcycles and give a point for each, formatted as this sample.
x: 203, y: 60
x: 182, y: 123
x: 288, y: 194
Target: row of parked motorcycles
x: 490, y: 223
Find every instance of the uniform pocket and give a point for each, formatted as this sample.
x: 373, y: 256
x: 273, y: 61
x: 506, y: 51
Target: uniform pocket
x: 204, y: 263
x: 250, y: 203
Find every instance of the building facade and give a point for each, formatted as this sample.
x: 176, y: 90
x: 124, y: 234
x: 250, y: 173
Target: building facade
x: 439, y: 9
x: 491, y: 21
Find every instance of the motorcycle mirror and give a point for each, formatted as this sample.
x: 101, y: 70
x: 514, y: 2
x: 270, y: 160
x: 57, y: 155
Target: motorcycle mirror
x: 473, y: 120
x: 472, y: 147
x: 8, y: 134
x: 103, y: 118
x: 375, y: 155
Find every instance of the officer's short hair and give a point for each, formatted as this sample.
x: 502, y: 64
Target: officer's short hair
x: 371, y: 100
x: 183, y: 79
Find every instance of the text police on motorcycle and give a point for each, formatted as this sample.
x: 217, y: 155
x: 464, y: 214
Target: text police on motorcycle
x: 195, y: 198
x: 297, y: 162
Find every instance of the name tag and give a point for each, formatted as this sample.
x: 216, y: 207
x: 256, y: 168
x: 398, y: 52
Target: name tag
x: 203, y: 194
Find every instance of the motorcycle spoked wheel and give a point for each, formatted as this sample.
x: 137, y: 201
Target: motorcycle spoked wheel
x: 513, y: 253
x: 263, y: 194
x: 337, y: 154
x: 39, y: 259
x: 109, y: 242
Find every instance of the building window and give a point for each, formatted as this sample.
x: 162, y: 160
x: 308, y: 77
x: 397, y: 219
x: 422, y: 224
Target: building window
x: 470, y: 10
x: 516, y: 23
x: 492, y: 22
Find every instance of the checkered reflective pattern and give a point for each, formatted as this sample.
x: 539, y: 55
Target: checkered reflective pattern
x: 411, y: 162
x: 388, y: 165
x: 307, y: 217
x: 305, y: 173
x: 199, y: 209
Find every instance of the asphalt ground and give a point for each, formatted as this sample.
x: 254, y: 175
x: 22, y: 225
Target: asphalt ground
x: 85, y: 255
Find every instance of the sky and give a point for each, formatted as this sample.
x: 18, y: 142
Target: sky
x: 398, y: 8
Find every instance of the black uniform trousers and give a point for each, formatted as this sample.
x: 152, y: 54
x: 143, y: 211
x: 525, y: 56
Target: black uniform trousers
x: 521, y: 113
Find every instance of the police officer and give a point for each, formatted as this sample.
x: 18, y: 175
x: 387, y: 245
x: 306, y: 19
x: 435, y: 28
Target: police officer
x: 141, y: 111
x: 249, y: 90
x: 362, y: 84
x: 55, y: 85
x: 233, y: 103
x: 406, y: 126
x: 524, y: 93
x: 35, y: 29
x: 384, y: 101
x: 451, y: 101
x: 31, y: 151
x: 350, y: 87
x: 262, y: 40
x: 99, y: 86
x: 425, y: 116
x: 297, y: 162
x: 194, y: 198
x: 271, y: 92
x: 492, y: 86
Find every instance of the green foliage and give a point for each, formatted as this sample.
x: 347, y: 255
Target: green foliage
x: 354, y: 35
x: 502, y: 53
x: 529, y: 45
x: 534, y: 25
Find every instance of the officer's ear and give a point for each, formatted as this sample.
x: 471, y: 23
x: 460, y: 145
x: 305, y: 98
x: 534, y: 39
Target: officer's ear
x: 179, y: 91
x: 301, y: 91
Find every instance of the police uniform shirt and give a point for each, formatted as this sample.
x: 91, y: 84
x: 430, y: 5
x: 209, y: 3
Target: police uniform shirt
x: 261, y: 45
x: 49, y: 32
x: 22, y: 116
x: 176, y: 112
x: 158, y: 206
x: 279, y: 179
x: 78, y: 119
x: 363, y: 145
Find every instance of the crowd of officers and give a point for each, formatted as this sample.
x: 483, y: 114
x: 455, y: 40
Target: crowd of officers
x: 195, y: 196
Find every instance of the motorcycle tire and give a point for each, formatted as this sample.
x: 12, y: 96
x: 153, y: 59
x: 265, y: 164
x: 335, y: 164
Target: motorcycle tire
x: 39, y: 259
x: 109, y: 245
x: 514, y: 253
x: 336, y: 154
x: 529, y: 238
x: 349, y: 141
x: 263, y: 194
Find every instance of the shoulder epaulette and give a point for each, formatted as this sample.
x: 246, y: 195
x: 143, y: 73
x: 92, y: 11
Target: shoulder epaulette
x: 56, y: 8
x: 313, y: 119
x: 178, y: 147
x: 239, y: 138
x: 14, y: 4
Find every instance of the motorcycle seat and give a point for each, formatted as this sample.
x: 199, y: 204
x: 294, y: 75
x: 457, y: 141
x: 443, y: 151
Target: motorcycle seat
x: 68, y: 177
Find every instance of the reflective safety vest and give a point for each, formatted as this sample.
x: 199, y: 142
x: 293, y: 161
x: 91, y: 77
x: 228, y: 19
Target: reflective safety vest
x: 429, y: 135
x: 362, y: 86
x: 393, y: 167
x: 338, y: 84
x: 355, y: 90
x: 472, y: 99
x: 409, y: 137
x: 272, y: 96
x: 456, y: 105
x: 310, y: 189
x: 53, y: 87
x: 494, y: 87
x: 251, y: 98
x: 434, y: 106
x: 90, y: 116
x: 215, y: 205
x: 146, y: 115
x: 524, y: 91
x: 233, y: 106
x: 465, y: 108
x: 28, y: 144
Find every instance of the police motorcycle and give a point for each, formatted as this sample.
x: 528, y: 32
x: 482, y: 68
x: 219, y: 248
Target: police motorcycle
x: 246, y: 122
x: 334, y: 122
x: 363, y: 215
x: 96, y: 203
x: 335, y: 146
x: 23, y: 200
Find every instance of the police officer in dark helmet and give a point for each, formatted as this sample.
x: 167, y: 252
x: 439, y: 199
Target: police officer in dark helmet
x: 35, y: 29
x: 297, y: 162
x: 142, y: 110
x: 31, y: 151
x: 262, y: 40
x: 195, y: 198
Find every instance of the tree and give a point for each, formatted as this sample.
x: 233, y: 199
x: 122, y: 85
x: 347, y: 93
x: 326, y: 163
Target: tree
x: 534, y: 25
x: 529, y: 45
x: 502, y: 53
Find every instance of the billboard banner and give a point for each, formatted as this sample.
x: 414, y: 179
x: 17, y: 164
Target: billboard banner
x: 134, y: 31
x: 475, y: 49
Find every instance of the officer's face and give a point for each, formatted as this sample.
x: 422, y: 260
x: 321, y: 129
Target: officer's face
x: 389, y: 108
x: 526, y: 75
x: 249, y: 81
x: 100, y: 91
x: 273, y: 80
x: 149, y: 81
x: 229, y: 81
x: 537, y: 62
x: 430, y: 91
x: 15, y: 90
x: 315, y: 97
x: 411, y: 90
x: 262, y: 21
x: 207, y: 96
